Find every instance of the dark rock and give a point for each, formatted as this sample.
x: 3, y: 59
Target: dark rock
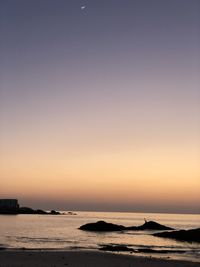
x: 140, y: 250
x: 11, y: 206
x: 40, y: 212
x: 151, y: 225
x: 115, y: 248
x: 102, y: 226
x: 162, y: 251
x: 192, y: 235
x: 26, y: 210
x: 53, y: 212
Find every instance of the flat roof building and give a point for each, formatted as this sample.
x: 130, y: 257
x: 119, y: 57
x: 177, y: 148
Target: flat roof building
x: 9, y: 206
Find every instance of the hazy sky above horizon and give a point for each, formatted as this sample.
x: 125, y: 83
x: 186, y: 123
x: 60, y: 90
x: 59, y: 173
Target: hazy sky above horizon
x: 99, y: 107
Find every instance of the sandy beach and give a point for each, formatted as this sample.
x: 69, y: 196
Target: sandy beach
x: 33, y: 258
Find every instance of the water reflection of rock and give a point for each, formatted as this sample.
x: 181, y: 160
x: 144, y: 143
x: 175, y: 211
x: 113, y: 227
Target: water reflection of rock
x: 70, y: 213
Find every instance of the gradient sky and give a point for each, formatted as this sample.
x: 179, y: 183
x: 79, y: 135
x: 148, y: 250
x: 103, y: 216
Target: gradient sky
x: 99, y: 108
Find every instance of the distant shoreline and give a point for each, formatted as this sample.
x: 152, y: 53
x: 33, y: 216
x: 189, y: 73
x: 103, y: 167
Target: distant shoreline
x: 148, y: 212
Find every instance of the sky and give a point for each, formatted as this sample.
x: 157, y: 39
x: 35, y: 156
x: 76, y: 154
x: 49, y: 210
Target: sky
x: 99, y: 106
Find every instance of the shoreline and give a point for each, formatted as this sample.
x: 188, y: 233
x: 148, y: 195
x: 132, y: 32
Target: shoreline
x: 86, y: 258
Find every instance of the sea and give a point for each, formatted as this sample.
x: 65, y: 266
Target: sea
x: 61, y: 232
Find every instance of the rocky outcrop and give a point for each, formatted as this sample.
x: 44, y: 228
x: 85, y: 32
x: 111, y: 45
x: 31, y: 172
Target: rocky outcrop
x: 26, y: 210
x: 192, y: 235
x: 115, y: 248
x: 102, y: 226
x: 11, y: 206
x: 121, y: 248
x: 54, y: 212
x: 151, y: 225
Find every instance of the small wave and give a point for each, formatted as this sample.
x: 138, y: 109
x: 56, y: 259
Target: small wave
x: 163, y: 247
x: 44, y: 240
x: 157, y: 249
x: 134, y: 233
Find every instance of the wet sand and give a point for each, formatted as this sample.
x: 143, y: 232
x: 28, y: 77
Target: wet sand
x: 37, y: 258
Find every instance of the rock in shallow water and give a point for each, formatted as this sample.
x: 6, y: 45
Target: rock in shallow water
x: 102, y: 226
x: 116, y: 248
x: 192, y: 235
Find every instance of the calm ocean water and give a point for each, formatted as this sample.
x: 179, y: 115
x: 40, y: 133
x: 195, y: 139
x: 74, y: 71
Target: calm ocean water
x: 61, y: 232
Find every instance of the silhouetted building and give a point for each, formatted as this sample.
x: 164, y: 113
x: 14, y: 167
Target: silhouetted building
x: 9, y: 206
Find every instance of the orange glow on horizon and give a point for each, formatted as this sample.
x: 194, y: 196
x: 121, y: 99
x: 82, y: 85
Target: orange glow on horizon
x: 156, y: 176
